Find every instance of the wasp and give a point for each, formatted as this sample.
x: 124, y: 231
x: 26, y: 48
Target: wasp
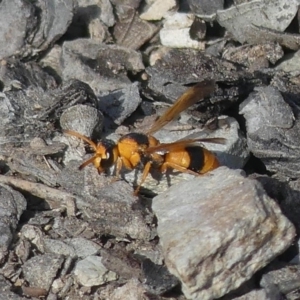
x: 135, y: 148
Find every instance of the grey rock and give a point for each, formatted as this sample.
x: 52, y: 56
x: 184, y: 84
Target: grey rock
x: 236, y: 2
x: 44, y: 218
x: 189, y: 66
x: 54, y: 20
x: 71, y: 179
x: 91, y: 10
x: 127, y: 20
x: 205, y: 7
x: 158, y: 9
x: 83, y: 119
x: 33, y: 234
x: 289, y: 63
x: 275, y: 15
x: 272, y: 130
x: 84, y: 247
x: 70, y: 93
x: 120, y: 59
x: 115, y: 213
x: 31, y: 100
x: 70, y: 227
x: 6, y: 293
x: 12, y: 205
x: 41, y: 270
x: 91, y: 272
x: 291, y: 202
x: 51, y: 59
x: 122, y: 263
x: 286, y: 193
x: 99, y: 32
x: 179, y: 67
x: 25, y: 34
x: 23, y: 249
x: 7, y: 111
x: 39, y: 147
x: 132, y: 290
x: 157, y: 278
x: 255, y: 57
x: 103, y: 67
x: 23, y: 161
x: 257, y: 294
x: 10, y: 269
x: 18, y: 23
x: 59, y: 248
x: 18, y: 76
x: 261, y: 35
x: 221, y: 221
x: 120, y: 4
x: 281, y: 278
x: 120, y: 104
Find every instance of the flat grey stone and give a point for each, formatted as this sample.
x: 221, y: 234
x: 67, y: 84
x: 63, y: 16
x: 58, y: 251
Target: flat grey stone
x: 275, y: 14
x: 215, y: 223
x: 91, y: 272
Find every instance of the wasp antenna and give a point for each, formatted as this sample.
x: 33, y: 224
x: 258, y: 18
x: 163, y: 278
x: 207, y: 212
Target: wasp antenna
x: 83, y: 137
x: 87, y: 162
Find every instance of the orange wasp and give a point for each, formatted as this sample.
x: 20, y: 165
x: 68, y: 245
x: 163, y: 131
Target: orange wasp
x: 135, y: 148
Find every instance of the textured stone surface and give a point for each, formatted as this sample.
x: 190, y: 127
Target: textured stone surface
x: 265, y: 13
x: 132, y: 290
x: 273, y: 130
x: 120, y: 104
x: 12, y: 205
x: 158, y: 9
x: 205, y: 7
x: 83, y: 119
x: 41, y: 270
x: 221, y: 221
x: 90, y: 272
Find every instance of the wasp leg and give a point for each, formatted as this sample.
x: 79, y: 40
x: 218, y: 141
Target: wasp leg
x: 179, y: 168
x: 144, y: 176
x: 134, y: 159
x: 122, y: 161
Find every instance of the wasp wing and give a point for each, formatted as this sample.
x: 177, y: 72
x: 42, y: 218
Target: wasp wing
x: 187, y: 99
x: 179, y: 145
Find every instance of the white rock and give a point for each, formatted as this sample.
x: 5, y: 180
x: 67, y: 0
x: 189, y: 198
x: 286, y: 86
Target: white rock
x: 176, y: 32
x: 272, y: 14
x: 217, y: 230
x: 158, y: 9
x: 91, y: 272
